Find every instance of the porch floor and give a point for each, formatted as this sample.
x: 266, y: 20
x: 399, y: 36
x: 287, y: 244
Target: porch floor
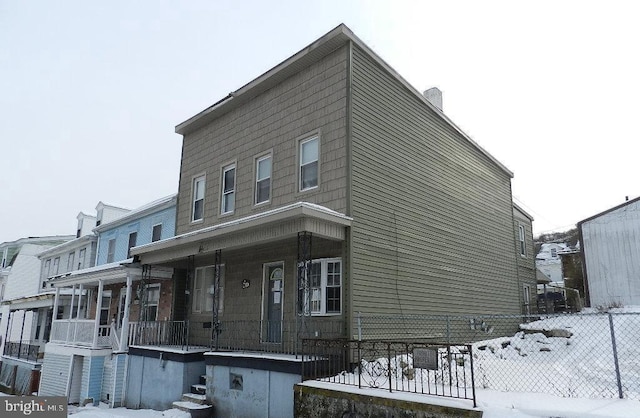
x: 180, y: 349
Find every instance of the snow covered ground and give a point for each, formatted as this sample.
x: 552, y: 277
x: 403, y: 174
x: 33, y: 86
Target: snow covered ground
x: 579, y: 368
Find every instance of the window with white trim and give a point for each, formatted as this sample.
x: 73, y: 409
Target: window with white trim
x: 133, y: 237
x: 111, y: 250
x: 56, y: 265
x: 521, y: 235
x: 47, y: 269
x: 308, y: 163
x: 263, y: 179
x: 228, y: 189
x: 197, y: 193
x: 153, y: 299
x: 156, y: 233
x: 325, y: 288
x: 204, y: 290
x: 70, y: 261
x: 81, y: 258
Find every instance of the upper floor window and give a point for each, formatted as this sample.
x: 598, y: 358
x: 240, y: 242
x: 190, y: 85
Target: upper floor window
x: 111, y: 250
x: 263, y: 179
x: 554, y: 252
x: 70, y: 261
x: 325, y: 288
x: 308, y: 163
x: 228, y: 189
x: 156, y: 233
x: 47, y: 266
x: 81, y: 255
x: 133, y: 237
x: 521, y: 235
x: 56, y: 265
x: 197, y: 208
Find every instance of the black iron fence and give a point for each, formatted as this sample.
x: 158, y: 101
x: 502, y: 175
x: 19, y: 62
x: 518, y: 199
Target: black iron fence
x: 591, y: 355
x: 415, y: 367
x: 21, y: 350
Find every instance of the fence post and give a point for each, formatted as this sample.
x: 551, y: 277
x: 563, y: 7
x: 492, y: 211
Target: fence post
x: 359, y: 327
x: 359, y: 364
x: 448, y: 330
x: 389, y: 365
x: 615, y: 356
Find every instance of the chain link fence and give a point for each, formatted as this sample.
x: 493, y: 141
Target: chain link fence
x: 570, y: 355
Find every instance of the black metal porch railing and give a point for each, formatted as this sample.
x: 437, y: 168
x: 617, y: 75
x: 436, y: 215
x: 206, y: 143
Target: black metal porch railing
x: 21, y: 350
x: 415, y: 367
x: 282, y: 337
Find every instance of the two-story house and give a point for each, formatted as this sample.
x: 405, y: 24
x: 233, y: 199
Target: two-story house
x: 525, y: 256
x: 86, y: 357
x: 326, y: 189
x: 22, y: 326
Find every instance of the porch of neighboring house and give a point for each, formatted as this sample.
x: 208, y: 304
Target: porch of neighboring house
x: 28, y: 330
x: 86, y: 358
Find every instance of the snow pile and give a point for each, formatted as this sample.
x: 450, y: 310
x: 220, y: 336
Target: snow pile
x: 103, y: 411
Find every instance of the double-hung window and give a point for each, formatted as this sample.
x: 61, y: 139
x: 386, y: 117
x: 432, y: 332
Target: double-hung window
x: 324, y: 295
x: 228, y: 189
x: 56, y: 265
x: 81, y: 258
x: 263, y: 179
x: 204, y: 289
x: 153, y: 298
x: 308, y: 164
x: 111, y: 250
x: 521, y: 235
x: 197, y: 193
x: 133, y: 237
x: 70, y: 261
x: 156, y: 233
x: 47, y: 269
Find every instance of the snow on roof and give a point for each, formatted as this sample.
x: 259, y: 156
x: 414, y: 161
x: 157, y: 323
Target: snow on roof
x: 313, y: 206
x: 94, y: 269
x: 137, y: 212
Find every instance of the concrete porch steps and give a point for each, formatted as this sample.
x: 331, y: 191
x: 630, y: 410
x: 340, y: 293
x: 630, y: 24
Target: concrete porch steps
x: 199, y: 398
x: 199, y: 389
x: 195, y: 409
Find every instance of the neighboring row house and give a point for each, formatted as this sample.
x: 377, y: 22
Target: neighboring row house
x: 100, y: 307
x: 24, y: 327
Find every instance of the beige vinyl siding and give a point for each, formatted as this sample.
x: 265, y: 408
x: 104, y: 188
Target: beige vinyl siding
x: 526, y: 264
x: 312, y: 101
x: 433, y: 224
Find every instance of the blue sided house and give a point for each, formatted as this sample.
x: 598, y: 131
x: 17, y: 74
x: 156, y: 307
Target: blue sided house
x: 87, y: 356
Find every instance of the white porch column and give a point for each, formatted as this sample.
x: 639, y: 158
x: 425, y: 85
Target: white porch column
x: 79, y: 300
x: 73, y: 295
x: 56, y: 302
x: 124, y: 330
x: 98, y: 311
x: 75, y: 329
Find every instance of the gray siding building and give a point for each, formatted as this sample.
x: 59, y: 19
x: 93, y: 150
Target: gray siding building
x: 327, y: 187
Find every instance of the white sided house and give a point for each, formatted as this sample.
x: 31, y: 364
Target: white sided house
x: 611, y: 255
x: 23, y: 329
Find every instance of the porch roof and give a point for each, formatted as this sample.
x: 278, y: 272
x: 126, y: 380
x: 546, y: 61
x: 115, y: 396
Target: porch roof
x: 268, y: 226
x: 38, y: 300
x: 109, y: 273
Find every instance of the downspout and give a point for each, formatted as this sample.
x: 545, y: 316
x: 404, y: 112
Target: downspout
x: 347, y: 247
x: 124, y: 330
x: 583, y: 261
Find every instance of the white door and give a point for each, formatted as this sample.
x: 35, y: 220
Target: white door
x: 76, y: 379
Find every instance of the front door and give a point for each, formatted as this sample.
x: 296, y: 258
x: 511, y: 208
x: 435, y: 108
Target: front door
x: 275, y: 290
x: 121, y: 302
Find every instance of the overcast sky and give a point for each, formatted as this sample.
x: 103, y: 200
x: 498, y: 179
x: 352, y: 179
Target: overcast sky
x: 90, y: 92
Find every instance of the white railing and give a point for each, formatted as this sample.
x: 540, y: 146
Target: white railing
x: 80, y: 332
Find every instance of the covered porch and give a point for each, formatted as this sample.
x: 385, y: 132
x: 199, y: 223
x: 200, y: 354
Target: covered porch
x: 260, y: 283
x: 107, y: 304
